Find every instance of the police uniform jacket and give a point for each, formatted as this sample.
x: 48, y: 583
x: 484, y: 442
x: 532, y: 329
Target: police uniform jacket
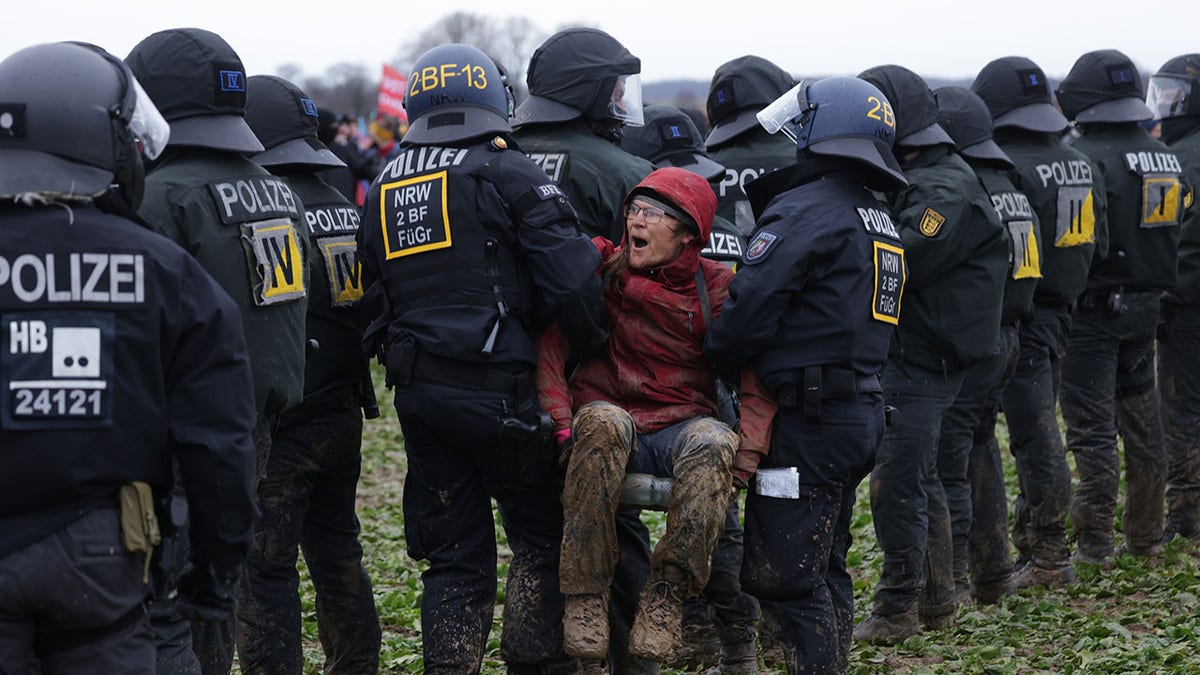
x: 1187, y: 287
x: 1023, y: 235
x: 1146, y: 194
x: 957, y: 258
x: 244, y: 226
x: 821, y: 282
x: 746, y: 157
x: 119, y: 351
x: 1067, y: 193
x: 335, y: 319
x: 594, y: 173
x: 475, y: 239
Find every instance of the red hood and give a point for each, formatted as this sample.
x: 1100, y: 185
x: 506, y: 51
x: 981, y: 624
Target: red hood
x: 692, y: 194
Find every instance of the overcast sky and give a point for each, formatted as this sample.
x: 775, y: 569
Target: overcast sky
x: 673, y: 38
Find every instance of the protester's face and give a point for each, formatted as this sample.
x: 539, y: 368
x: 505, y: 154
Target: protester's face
x: 654, y: 238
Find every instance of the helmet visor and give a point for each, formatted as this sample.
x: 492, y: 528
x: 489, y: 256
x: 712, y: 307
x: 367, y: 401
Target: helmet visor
x: 783, y: 113
x: 147, y: 124
x: 625, y: 103
x: 1168, y: 96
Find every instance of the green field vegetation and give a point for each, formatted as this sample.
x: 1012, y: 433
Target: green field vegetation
x: 1139, y: 617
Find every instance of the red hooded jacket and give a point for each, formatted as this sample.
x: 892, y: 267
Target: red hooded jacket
x: 654, y: 366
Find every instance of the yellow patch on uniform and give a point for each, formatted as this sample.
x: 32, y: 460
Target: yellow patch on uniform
x: 931, y: 223
x: 1187, y: 199
x: 276, y: 261
x: 1027, y: 263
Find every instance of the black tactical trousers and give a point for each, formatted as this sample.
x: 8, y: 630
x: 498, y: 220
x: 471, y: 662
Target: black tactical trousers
x: 457, y: 463
x: 908, y: 504
x: 798, y: 514
x: 73, y: 602
x: 307, y: 500
x: 734, y: 611
x: 1029, y: 400
x: 981, y: 549
x: 1179, y: 387
x: 1108, y: 388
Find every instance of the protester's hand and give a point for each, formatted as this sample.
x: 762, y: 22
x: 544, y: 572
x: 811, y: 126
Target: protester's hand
x: 562, y: 439
x: 741, y: 479
x: 207, y: 595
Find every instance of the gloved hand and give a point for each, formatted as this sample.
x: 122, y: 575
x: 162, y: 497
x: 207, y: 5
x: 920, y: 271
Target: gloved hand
x: 206, y: 594
x: 741, y: 479
x: 562, y: 438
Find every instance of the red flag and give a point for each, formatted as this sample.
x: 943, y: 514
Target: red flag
x: 391, y: 93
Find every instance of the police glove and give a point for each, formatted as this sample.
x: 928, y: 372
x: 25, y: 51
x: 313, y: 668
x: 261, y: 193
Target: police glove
x: 206, y: 594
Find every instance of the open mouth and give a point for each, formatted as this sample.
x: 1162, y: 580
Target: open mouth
x: 639, y: 243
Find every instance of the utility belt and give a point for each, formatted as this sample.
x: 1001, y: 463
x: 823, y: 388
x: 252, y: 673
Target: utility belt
x: 825, y: 383
x: 407, y: 362
x: 1110, y: 299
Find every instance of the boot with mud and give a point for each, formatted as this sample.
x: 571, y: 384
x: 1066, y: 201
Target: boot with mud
x: 739, y: 652
x: 659, y: 621
x: 1045, y: 575
x: 879, y: 629
x: 701, y: 646
x: 585, y: 626
x: 591, y: 667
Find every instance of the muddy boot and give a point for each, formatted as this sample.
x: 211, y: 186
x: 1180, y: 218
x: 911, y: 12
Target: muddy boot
x: 585, y: 626
x: 739, y: 654
x: 591, y: 667
x: 1044, y: 575
x: 879, y: 629
x: 659, y: 620
x: 937, y: 621
x: 701, y: 646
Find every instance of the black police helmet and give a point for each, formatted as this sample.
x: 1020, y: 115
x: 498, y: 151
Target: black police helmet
x: 1017, y: 94
x: 197, y: 80
x: 1174, y: 91
x: 844, y: 117
x: 966, y: 118
x: 73, y: 121
x: 669, y: 137
x: 574, y: 74
x: 286, y: 120
x: 1103, y: 86
x: 916, y: 111
x: 455, y: 92
x: 738, y: 90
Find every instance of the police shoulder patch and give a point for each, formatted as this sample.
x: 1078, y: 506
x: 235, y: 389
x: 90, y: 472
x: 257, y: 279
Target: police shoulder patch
x: 760, y: 247
x: 548, y: 191
x: 931, y: 222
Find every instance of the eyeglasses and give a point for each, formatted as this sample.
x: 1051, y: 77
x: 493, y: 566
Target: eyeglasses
x: 650, y: 214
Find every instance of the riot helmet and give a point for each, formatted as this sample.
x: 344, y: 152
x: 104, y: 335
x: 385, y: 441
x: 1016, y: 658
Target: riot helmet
x: 915, y: 108
x: 738, y: 90
x: 1103, y: 86
x: 839, y: 117
x: 286, y: 121
x: 197, y: 80
x: 1174, y: 91
x: 966, y: 118
x: 669, y: 137
x: 582, y: 72
x: 1017, y: 94
x: 73, y: 122
x: 455, y: 92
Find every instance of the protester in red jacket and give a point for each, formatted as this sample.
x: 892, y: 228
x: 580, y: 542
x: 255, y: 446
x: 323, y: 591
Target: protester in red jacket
x: 649, y: 404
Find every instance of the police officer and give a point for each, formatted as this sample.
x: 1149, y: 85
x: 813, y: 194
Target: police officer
x: 120, y: 356
x: 669, y: 137
x: 820, y: 230
x: 720, y: 628
x: 957, y: 259
x: 307, y: 494
x: 584, y: 87
x: 472, y: 251
x: 1062, y: 187
x: 969, y: 462
x: 1108, y: 384
x: 738, y: 90
x: 1174, y: 97
x: 244, y: 226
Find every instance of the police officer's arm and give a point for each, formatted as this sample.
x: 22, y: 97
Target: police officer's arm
x: 211, y: 413
x: 1100, y: 210
x: 562, y: 261
x: 928, y: 218
x: 758, y: 297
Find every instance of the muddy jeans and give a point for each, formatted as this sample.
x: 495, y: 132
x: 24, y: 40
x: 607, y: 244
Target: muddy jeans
x: 307, y: 500
x: 1029, y: 400
x: 1108, y: 387
x: 1179, y: 386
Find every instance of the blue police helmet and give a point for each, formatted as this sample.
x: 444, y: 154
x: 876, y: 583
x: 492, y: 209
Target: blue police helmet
x: 455, y: 92
x: 841, y: 117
